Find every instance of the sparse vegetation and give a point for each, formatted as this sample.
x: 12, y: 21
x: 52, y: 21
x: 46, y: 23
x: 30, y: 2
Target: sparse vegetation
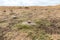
x: 47, y: 22
x: 26, y: 7
x: 37, y: 33
x: 20, y: 26
x: 43, y: 22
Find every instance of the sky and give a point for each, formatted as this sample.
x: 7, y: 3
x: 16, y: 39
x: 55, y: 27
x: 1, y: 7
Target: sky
x: 29, y: 2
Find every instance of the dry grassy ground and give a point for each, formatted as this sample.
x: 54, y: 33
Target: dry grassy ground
x: 30, y: 23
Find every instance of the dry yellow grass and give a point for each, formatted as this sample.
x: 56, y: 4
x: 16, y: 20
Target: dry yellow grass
x: 9, y: 16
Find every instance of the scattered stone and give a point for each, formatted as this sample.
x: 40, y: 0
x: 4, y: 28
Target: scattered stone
x: 28, y: 23
x: 14, y: 17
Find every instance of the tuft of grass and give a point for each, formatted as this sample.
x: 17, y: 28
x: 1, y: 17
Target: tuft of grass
x: 26, y: 7
x: 58, y: 39
x: 43, y: 22
x: 33, y: 32
x: 20, y: 26
x: 39, y: 35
